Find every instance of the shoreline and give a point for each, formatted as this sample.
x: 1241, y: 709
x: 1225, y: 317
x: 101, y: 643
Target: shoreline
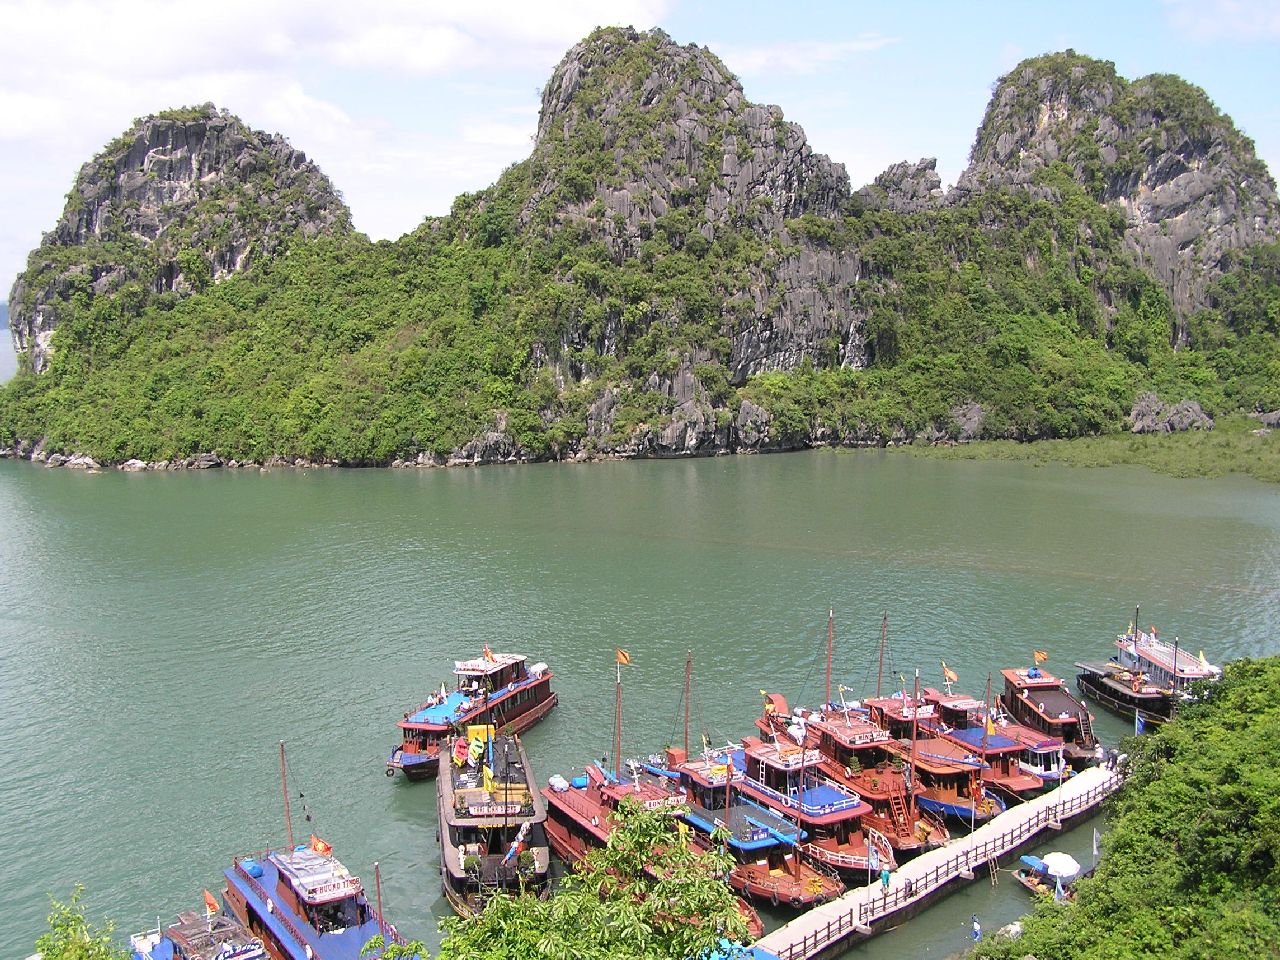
x: 1239, y: 445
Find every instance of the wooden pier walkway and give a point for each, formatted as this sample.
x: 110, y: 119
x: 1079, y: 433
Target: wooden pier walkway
x: 865, y: 911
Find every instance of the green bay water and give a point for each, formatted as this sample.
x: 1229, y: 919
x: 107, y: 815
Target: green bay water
x: 161, y: 633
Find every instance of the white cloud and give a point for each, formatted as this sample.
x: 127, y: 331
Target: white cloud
x: 76, y: 72
x: 1239, y: 20
x: 500, y: 134
x: 801, y: 57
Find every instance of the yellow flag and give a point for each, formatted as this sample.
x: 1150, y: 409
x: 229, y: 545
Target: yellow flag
x: 624, y: 658
x: 949, y: 675
x: 1040, y: 655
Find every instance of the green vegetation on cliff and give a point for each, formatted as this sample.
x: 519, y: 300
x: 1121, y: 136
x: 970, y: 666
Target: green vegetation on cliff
x: 1191, y: 865
x: 561, y: 306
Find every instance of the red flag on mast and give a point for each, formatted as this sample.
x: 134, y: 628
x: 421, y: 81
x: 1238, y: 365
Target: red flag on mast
x: 210, y: 902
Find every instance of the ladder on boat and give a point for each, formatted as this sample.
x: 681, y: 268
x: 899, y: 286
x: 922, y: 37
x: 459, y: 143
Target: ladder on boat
x: 1086, y: 728
x: 902, y: 824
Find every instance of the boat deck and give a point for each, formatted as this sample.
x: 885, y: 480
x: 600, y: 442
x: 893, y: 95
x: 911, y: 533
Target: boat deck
x: 832, y: 927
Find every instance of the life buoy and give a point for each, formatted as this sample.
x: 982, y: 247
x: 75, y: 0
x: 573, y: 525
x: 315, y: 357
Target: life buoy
x: 391, y: 772
x: 796, y: 901
x: 773, y: 897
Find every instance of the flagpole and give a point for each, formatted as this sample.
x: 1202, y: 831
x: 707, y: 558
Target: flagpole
x: 911, y: 810
x: 617, y: 723
x: 884, y: 633
x: 831, y: 639
x: 688, y: 683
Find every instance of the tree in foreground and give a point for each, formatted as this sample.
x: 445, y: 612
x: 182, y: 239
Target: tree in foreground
x: 647, y: 895
x: 70, y: 937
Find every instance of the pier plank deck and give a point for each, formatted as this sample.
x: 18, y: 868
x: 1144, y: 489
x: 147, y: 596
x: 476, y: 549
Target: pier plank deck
x: 864, y: 911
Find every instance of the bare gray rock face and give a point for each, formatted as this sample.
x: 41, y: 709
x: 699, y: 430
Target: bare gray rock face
x: 906, y: 188
x: 180, y: 200
x: 1151, y: 415
x: 1188, y: 182
x: 682, y: 139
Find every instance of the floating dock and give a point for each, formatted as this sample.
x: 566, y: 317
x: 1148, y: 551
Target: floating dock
x: 832, y: 927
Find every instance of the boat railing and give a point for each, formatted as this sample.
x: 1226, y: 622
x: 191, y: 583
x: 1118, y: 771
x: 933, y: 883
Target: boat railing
x: 795, y: 803
x: 389, y: 931
x: 967, y: 861
x: 261, y: 894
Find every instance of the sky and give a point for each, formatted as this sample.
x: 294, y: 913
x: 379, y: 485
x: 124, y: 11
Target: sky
x: 407, y: 103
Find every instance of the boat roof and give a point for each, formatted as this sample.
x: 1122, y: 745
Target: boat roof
x: 1031, y: 738
x: 952, y: 701
x: 1024, y: 678
x: 1149, y: 647
x: 712, y: 770
x: 785, y: 756
x: 901, y: 708
x: 317, y: 877
x: 442, y: 714
x: 483, y: 666
x: 465, y: 799
x: 935, y: 752
x: 849, y: 729
x: 973, y: 737
x: 218, y: 937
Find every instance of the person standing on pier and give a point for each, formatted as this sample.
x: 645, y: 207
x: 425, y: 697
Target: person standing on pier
x: 884, y: 879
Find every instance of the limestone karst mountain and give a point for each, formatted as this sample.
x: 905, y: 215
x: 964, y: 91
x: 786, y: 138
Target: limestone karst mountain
x: 672, y: 271
x: 181, y: 199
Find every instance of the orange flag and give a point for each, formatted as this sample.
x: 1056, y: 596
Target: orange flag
x: 624, y: 658
x: 320, y: 847
x: 210, y: 902
x: 1040, y: 655
x: 948, y: 674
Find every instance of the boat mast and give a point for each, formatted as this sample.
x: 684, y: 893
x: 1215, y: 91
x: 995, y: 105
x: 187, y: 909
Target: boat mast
x: 986, y: 720
x: 688, y: 683
x: 1175, y: 662
x: 377, y: 889
x: 831, y: 639
x: 617, y: 724
x: 884, y: 634
x: 911, y: 763
x: 284, y: 787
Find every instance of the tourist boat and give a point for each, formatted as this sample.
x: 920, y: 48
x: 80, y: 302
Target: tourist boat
x: 494, y: 688
x: 211, y: 935
x: 580, y: 817
x: 862, y: 757
x: 302, y: 903
x: 787, y: 778
x: 971, y: 724
x: 1146, y: 676
x: 1042, y: 756
x: 491, y: 822
x: 949, y: 776
x: 764, y: 844
x: 1037, y: 699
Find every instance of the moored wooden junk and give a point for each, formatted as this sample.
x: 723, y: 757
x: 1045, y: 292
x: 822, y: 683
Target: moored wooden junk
x: 492, y: 822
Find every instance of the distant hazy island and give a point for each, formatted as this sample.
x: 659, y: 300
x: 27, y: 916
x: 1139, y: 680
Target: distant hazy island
x: 671, y: 272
